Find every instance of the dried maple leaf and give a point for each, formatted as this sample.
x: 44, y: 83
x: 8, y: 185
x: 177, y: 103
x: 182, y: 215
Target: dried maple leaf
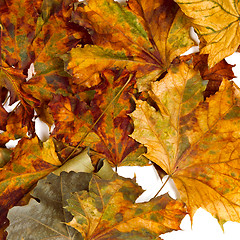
x: 103, y: 123
x: 30, y: 162
x: 195, y: 142
x: 217, y: 23
x: 108, y: 211
x: 214, y: 75
x: 36, y: 33
x: 144, y: 37
x: 46, y: 218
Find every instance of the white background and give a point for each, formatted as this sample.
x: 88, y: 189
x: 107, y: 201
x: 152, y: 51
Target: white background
x: 204, y: 227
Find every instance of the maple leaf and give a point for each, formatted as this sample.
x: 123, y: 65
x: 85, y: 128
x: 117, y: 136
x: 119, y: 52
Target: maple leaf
x: 108, y: 211
x: 217, y: 24
x: 45, y: 218
x: 143, y: 37
x: 36, y: 33
x: 30, y: 161
x: 214, y: 75
x: 196, y: 143
x: 103, y: 123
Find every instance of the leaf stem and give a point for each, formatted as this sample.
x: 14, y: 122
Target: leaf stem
x: 105, y: 110
x: 162, y: 186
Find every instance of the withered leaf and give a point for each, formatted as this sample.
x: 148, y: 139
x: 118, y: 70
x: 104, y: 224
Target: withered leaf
x: 36, y: 33
x: 217, y: 23
x: 108, y: 211
x: 46, y: 218
x: 103, y: 123
x: 195, y: 142
x: 30, y: 161
x: 144, y: 37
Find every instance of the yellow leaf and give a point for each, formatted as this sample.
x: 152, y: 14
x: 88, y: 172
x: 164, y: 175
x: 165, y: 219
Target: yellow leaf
x: 217, y: 23
x: 143, y: 37
x: 195, y: 142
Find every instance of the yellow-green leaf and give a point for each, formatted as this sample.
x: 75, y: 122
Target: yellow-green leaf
x: 108, y: 211
x: 217, y: 23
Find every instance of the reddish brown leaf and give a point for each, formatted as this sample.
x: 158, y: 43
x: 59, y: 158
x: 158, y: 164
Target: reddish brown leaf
x: 101, y: 120
x: 19, y: 123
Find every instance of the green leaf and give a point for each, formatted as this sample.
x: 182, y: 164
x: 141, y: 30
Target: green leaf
x: 45, y: 218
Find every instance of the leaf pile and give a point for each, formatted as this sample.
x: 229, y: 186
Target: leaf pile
x: 112, y: 80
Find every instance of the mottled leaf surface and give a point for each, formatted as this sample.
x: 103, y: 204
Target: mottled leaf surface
x: 217, y: 23
x: 108, y: 211
x: 36, y: 33
x: 195, y: 142
x: 214, y: 75
x: 30, y: 161
x: 19, y: 123
x: 46, y: 218
x: 143, y: 37
x: 103, y: 123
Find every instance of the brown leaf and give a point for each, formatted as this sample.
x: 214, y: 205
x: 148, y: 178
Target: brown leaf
x: 101, y: 122
x: 36, y: 33
x: 3, y: 118
x: 19, y: 124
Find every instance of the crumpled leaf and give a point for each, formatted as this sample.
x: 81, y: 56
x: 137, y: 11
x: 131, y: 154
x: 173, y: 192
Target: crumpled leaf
x: 214, y: 75
x: 80, y: 163
x: 195, y: 142
x: 100, y: 121
x: 109, y: 211
x: 143, y: 37
x: 30, y: 162
x: 45, y: 219
x: 217, y: 24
